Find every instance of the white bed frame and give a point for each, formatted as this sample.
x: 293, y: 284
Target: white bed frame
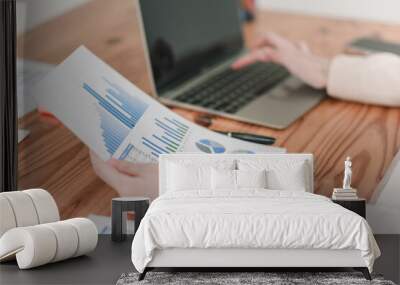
x: 250, y: 258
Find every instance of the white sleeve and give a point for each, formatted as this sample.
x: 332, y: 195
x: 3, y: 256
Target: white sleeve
x: 373, y: 79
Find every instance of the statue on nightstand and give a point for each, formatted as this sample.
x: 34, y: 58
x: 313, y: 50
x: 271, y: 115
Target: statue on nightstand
x: 347, y: 174
x: 347, y: 192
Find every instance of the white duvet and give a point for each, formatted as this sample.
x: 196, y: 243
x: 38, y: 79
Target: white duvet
x: 250, y: 219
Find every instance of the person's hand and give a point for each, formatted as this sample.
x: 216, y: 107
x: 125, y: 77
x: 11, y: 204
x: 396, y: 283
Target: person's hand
x: 128, y: 179
x: 296, y: 57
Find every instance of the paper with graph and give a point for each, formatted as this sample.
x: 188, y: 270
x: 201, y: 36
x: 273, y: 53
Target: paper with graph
x: 116, y: 119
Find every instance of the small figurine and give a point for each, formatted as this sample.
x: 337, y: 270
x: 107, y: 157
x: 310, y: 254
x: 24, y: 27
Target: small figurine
x: 347, y: 173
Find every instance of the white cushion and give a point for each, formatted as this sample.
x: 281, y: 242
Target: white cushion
x: 188, y: 177
x: 67, y: 240
x: 7, y: 218
x: 34, y: 244
x: 26, y: 208
x: 87, y: 235
x: 167, y: 175
x: 40, y: 244
x: 292, y: 179
x: 23, y: 208
x: 251, y: 178
x: 223, y: 179
x: 281, y: 174
x: 227, y: 179
x: 46, y: 207
x: 31, y: 246
x: 185, y: 174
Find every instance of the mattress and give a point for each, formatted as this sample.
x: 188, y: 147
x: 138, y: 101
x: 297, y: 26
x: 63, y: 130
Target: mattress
x: 251, y: 219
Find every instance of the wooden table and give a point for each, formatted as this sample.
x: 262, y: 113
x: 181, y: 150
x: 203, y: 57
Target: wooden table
x: 53, y: 158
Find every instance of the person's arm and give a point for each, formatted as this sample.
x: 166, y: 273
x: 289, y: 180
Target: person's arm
x: 373, y: 79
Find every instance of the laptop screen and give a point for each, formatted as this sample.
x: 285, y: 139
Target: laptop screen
x: 185, y: 37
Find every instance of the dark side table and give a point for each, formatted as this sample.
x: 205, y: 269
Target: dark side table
x: 356, y: 206
x: 120, y: 206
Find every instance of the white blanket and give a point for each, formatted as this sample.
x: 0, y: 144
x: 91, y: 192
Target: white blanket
x: 250, y: 219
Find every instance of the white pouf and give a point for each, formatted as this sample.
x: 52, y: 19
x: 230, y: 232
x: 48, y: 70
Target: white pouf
x: 7, y: 218
x: 23, y: 208
x: 26, y: 208
x: 30, y: 230
x: 37, y: 245
x: 46, y: 207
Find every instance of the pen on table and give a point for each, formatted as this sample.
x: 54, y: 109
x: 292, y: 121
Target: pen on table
x: 205, y: 120
x: 250, y: 137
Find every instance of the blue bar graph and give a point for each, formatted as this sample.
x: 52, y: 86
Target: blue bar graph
x: 119, y: 112
x: 168, y: 138
x: 126, y: 152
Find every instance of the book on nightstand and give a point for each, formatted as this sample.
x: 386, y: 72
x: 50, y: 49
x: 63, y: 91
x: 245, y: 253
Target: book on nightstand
x: 344, y: 194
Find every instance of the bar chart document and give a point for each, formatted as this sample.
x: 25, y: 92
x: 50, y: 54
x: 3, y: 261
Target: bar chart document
x: 116, y: 119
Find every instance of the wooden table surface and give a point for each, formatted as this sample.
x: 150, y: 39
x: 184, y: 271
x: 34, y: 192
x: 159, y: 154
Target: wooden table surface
x: 53, y: 158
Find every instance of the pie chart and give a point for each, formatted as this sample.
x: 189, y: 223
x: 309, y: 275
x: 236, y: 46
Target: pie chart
x: 209, y: 146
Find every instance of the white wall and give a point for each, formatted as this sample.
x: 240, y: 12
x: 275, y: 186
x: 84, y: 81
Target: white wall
x: 31, y: 13
x: 376, y: 10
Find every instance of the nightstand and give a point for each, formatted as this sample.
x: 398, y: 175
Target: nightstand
x: 356, y: 206
x: 120, y: 206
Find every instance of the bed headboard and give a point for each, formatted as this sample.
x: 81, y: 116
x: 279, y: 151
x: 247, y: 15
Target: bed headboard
x: 209, y: 158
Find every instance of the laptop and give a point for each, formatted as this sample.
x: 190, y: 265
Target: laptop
x: 190, y: 46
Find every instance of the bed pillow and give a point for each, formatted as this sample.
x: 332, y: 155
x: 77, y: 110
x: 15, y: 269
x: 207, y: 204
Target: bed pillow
x: 223, y: 179
x: 228, y: 179
x: 293, y: 179
x: 193, y: 174
x: 251, y: 178
x: 188, y: 177
x: 281, y: 174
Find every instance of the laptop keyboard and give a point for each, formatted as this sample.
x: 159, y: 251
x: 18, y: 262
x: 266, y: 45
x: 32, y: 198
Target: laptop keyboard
x: 231, y: 90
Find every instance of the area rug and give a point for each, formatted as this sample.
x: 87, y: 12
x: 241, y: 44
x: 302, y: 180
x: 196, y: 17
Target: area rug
x: 243, y: 278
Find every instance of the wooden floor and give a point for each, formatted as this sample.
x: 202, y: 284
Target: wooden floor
x: 51, y: 157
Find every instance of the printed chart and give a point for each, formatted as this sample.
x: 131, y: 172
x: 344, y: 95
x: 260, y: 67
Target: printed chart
x: 119, y: 113
x: 169, y: 136
x: 116, y: 119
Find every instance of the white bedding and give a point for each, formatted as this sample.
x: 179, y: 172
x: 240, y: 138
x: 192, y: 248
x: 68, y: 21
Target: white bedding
x: 250, y: 219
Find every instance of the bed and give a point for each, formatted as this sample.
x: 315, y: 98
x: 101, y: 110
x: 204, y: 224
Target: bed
x: 245, y: 211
